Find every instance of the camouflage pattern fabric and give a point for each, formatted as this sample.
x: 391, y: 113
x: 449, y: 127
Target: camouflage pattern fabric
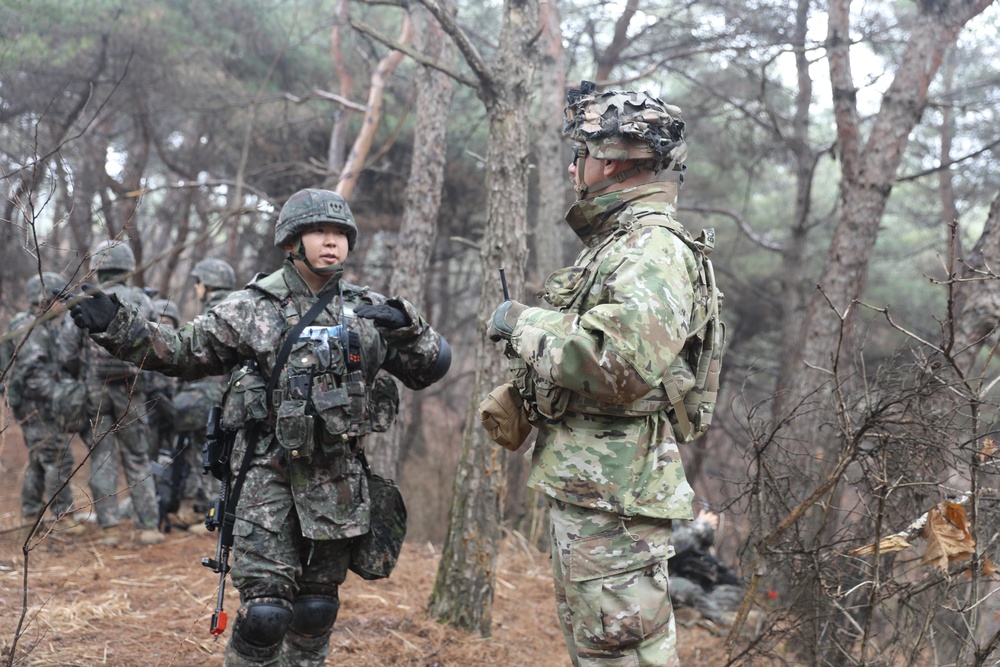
x: 305, y: 491
x: 121, y: 433
x: 626, y: 125
x: 32, y: 377
x: 193, y: 400
x: 593, y: 368
x: 611, y: 586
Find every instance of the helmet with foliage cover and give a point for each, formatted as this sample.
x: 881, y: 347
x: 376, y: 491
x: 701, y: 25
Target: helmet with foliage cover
x: 626, y: 125
x: 308, y: 208
x: 215, y: 274
x: 167, y: 308
x: 36, y: 292
x: 112, y: 255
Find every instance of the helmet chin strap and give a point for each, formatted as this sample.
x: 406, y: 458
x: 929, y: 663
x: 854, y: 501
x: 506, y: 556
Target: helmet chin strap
x: 582, y: 189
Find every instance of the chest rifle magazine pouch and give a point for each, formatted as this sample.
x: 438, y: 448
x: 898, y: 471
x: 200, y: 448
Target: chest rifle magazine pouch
x: 294, y: 428
x: 374, y: 554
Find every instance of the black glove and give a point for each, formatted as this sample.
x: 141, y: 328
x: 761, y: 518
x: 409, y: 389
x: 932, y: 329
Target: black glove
x: 96, y: 312
x: 389, y: 315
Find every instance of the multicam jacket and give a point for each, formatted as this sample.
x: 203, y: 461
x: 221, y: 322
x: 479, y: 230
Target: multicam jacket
x: 304, y: 455
x: 595, y: 366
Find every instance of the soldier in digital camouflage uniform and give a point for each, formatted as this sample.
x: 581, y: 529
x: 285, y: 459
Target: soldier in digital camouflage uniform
x: 591, y: 372
x: 31, y: 382
x: 160, y: 389
x: 118, y: 399
x: 214, y: 279
x: 306, y: 496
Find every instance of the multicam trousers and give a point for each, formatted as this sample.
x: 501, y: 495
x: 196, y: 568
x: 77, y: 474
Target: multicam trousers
x: 611, y: 586
x: 122, y: 421
x: 50, y: 465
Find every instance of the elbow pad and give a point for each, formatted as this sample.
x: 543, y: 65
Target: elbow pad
x: 442, y: 363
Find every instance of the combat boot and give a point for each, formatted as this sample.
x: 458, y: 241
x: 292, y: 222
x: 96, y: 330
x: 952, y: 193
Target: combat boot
x: 111, y: 536
x: 151, y: 536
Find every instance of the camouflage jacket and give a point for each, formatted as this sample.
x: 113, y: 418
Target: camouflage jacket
x: 36, y: 370
x: 304, y: 455
x: 595, y: 366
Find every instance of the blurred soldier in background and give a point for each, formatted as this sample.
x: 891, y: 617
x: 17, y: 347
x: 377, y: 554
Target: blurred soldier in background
x: 118, y: 399
x: 214, y: 280
x: 31, y: 383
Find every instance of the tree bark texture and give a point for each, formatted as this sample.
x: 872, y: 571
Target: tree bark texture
x: 463, y: 590
x: 418, y: 231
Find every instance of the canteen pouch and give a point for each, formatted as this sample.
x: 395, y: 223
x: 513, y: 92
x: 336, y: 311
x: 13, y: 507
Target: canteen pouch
x: 374, y: 554
x: 505, y: 417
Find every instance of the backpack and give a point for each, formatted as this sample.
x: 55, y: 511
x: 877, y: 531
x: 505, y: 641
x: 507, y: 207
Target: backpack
x: 703, y: 348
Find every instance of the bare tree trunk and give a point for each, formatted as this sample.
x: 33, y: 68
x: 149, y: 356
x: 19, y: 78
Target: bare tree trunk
x: 867, y: 176
x: 418, y: 232
x: 373, y: 116
x: 463, y: 590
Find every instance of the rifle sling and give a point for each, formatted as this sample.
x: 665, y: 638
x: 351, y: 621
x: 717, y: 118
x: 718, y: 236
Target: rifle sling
x: 229, y: 518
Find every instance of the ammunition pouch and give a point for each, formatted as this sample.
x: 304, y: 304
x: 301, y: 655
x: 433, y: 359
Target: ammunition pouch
x: 294, y: 428
x: 245, y: 399
x: 383, y: 404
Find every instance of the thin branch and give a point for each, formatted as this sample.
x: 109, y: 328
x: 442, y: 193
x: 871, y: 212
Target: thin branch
x: 413, y: 53
x: 468, y: 49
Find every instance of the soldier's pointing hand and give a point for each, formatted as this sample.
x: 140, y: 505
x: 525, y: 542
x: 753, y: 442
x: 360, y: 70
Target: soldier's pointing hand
x: 95, y: 313
x: 388, y: 315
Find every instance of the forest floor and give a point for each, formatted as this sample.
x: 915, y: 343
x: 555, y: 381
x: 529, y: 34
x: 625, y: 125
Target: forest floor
x: 78, y: 603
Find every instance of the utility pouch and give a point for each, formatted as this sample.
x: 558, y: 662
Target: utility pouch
x: 505, y: 417
x: 245, y: 399
x: 384, y: 405
x: 551, y: 399
x: 374, y: 554
x: 69, y: 405
x: 294, y: 428
x: 357, y: 404
x: 330, y: 403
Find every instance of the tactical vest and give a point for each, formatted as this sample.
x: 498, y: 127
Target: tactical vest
x: 322, y: 397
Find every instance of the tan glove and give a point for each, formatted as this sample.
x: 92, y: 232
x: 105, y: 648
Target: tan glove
x: 504, y: 416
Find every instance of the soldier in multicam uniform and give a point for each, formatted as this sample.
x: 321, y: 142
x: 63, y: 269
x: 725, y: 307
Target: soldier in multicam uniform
x: 31, y: 382
x: 591, y: 375
x: 118, y: 399
x: 214, y: 279
x: 306, y: 496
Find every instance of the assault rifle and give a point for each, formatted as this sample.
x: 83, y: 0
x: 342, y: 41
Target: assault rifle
x: 216, y: 457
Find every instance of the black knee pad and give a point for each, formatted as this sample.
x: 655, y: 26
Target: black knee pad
x: 261, y: 626
x: 314, y: 614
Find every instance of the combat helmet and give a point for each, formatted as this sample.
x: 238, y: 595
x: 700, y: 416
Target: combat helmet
x: 215, y: 274
x: 35, y: 292
x: 626, y: 125
x: 167, y: 308
x: 309, y: 207
x: 112, y: 255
